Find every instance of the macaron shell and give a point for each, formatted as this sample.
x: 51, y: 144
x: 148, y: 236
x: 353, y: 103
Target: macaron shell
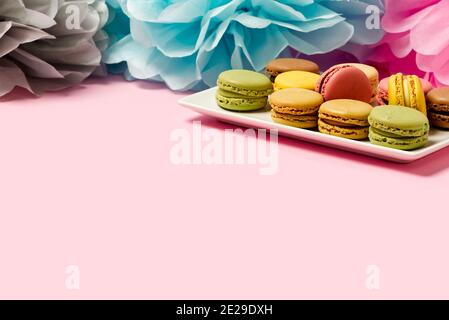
x: 382, y: 96
x: 439, y: 96
x: 281, y: 65
x: 345, y: 82
x: 382, y: 92
x: 346, y: 111
x: 397, y: 143
x: 371, y: 73
x: 414, y: 94
x: 399, y: 120
x: 245, y: 82
x: 298, y: 121
x: 426, y: 85
x: 396, y: 90
x: 354, y: 133
x: 296, y: 79
x: 296, y: 101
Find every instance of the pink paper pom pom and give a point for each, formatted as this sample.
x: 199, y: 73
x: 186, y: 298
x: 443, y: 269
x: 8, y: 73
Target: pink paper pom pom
x: 416, y: 39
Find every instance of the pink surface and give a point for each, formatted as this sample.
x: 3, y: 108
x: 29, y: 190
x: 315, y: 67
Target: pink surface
x: 86, y: 180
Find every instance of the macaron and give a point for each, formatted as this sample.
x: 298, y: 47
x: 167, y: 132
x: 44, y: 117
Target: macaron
x: 382, y: 91
x: 398, y: 127
x: 295, y: 107
x: 281, y: 65
x: 243, y: 90
x: 345, y: 118
x: 344, y: 82
x: 296, y: 79
x: 236, y: 102
x: 438, y: 107
x: 371, y: 73
x: 406, y: 91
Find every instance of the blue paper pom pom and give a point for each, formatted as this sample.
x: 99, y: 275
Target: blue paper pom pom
x: 187, y: 43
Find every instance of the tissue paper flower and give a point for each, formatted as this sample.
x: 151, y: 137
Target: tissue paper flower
x: 47, y: 45
x: 101, y: 38
x: 366, y: 17
x: 117, y: 26
x: 416, y: 39
x: 186, y: 44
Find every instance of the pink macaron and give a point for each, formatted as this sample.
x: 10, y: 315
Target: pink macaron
x: 345, y: 82
x: 382, y: 92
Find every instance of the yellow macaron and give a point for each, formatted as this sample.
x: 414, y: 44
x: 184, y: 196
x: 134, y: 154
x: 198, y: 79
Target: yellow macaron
x: 406, y: 91
x: 296, y: 79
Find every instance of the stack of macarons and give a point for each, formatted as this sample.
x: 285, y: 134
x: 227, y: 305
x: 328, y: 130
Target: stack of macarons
x: 341, y: 101
x: 243, y: 90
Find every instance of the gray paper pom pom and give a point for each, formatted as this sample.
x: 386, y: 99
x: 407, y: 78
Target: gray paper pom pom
x: 48, y: 44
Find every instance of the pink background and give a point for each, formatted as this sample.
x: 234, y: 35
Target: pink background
x: 86, y: 180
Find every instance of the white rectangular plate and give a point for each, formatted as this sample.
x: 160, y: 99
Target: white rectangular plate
x: 204, y: 103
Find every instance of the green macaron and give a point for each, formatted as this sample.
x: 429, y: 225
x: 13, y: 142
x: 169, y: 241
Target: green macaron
x: 237, y: 102
x: 398, y: 127
x: 245, y: 82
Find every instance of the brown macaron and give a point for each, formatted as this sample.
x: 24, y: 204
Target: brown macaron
x: 438, y: 107
x: 281, y: 65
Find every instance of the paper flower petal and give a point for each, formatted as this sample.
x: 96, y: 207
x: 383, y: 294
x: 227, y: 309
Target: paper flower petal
x: 186, y: 44
x: 39, y: 52
x: 416, y: 39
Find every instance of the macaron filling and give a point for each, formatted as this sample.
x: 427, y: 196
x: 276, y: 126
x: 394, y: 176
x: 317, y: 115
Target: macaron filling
x: 293, y: 111
x: 398, y: 131
x: 299, y: 121
x: 224, y: 101
x: 439, y: 108
x: 386, y: 133
x: 332, y: 118
x: 290, y: 117
x: 341, y: 124
x: 399, y: 89
x: 244, y: 91
x: 352, y: 132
